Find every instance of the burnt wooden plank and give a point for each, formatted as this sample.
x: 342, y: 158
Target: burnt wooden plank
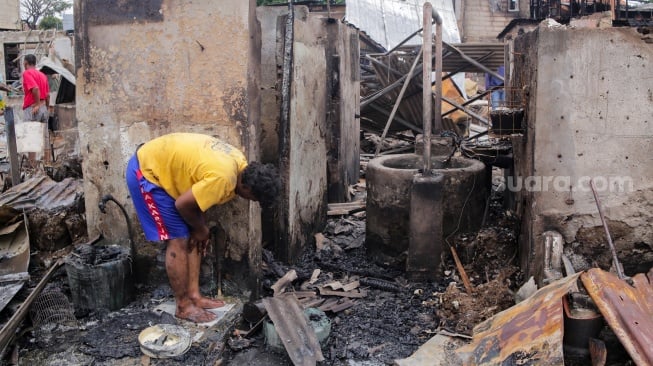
x: 352, y: 294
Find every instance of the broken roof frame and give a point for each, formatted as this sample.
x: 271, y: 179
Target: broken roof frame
x: 483, y: 58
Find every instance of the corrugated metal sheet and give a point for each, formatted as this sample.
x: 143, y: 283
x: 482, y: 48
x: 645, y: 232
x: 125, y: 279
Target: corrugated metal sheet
x: 293, y: 329
x: 388, y: 22
x: 44, y: 193
x: 491, y: 55
x: 529, y: 333
x: 627, y: 309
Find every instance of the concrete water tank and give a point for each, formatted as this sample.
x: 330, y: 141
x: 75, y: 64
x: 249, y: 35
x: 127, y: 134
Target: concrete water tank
x: 389, y: 181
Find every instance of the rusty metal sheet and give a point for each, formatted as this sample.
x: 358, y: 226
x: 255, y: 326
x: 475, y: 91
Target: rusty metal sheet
x: 14, y: 250
x: 297, y: 336
x: 437, y: 351
x: 627, y: 309
x: 14, y: 260
x: 530, y: 332
x: 44, y: 193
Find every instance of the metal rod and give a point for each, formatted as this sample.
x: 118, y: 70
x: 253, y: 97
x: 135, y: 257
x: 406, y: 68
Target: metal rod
x: 468, y: 111
x: 474, y: 62
x: 427, y: 71
x: 397, y: 118
x: 383, y: 91
x: 396, y: 106
x: 403, y: 42
x: 11, y: 145
x: 469, y: 101
x: 9, y: 329
x: 437, y: 125
x: 451, y: 74
x: 607, y: 232
x: 457, y: 106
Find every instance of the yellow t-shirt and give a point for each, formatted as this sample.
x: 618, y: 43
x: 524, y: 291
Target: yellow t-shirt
x: 181, y: 161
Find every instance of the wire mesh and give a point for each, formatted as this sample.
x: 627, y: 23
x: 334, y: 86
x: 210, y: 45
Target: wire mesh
x: 507, y: 112
x: 52, y: 306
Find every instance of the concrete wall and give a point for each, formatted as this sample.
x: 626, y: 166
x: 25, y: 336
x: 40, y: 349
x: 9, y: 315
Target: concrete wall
x: 317, y: 150
x: 10, y: 14
x: 150, y: 68
x: 303, y: 147
x: 343, y: 124
x: 272, y: 19
x: 483, y: 20
x: 589, y: 115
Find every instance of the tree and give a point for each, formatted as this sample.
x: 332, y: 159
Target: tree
x: 34, y: 10
x: 51, y: 22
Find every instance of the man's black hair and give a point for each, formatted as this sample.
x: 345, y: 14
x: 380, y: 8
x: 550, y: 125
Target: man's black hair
x: 30, y: 59
x: 264, y: 181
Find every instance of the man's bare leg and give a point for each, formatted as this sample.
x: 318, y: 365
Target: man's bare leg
x: 177, y: 267
x: 194, y: 262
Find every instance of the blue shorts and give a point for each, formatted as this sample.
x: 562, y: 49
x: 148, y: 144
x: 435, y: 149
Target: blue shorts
x: 155, y: 207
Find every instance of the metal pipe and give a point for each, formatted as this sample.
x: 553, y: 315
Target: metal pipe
x: 396, y: 106
x: 397, y: 118
x: 102, y: 206
x: 12, y: 146
x: 383, y: 91
x: 438, y: 73
x: 427, y: 113
x: 607, y: 232
x: 474, y: 62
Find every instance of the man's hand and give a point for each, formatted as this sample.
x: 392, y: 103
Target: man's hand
x: 35, y: 108
x: 190, y: 211
x: 200, y: 238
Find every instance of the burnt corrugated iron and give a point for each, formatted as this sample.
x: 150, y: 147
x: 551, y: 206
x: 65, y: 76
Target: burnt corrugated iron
x: 44, y: 193
x: 528, y: 333
x: 627, y: 309
x: 297, y: 336
x: 491, y: 55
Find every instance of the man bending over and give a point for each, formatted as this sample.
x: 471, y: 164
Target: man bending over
x: 173, y: 180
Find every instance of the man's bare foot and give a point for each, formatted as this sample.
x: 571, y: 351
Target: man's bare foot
x: 207, y: 303
x: 194, y: 314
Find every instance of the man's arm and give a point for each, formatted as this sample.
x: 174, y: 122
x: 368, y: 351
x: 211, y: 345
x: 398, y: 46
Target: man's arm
x: 192, y: 214
x: 36, y: 94
x: 4, y: 87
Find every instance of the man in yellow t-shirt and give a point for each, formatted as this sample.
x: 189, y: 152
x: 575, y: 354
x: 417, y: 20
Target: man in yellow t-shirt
x: 173, y: 180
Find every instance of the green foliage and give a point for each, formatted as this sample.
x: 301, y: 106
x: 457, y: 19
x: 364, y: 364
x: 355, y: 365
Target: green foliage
x: 34, y: 10
x: 51, y: 22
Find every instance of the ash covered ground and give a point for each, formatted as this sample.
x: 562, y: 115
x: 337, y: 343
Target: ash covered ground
x: 397, y: 316
x: 390, y: 322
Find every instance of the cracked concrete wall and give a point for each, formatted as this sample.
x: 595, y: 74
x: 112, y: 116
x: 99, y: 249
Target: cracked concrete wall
x: 145, y: 69
x: 589, y: 116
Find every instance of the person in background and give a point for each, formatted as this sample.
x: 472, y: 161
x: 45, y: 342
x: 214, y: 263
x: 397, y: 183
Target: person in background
x: 37, y: 92
x: 498, y: 96
x: 173, y: 180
